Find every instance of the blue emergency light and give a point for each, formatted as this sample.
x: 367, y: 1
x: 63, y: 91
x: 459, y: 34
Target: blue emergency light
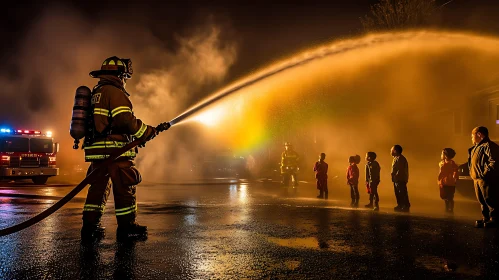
x: 25, y: 132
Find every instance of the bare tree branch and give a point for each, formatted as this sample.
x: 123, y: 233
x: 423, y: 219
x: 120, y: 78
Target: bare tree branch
x: 399, y: 14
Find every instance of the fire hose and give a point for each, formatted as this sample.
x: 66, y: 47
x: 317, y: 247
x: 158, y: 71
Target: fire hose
x: 88, y: 180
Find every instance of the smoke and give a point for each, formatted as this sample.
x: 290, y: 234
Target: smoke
x: 62, y: 46
x: 202, y: 59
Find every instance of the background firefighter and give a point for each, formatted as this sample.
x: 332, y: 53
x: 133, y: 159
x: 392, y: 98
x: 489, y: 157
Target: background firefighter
x: 289, y: 165
x: 112, y: 124
x: 320, y: 169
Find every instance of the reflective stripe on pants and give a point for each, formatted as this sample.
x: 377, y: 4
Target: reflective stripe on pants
x: 124, y: 193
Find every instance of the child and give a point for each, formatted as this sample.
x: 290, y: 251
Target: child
x: 320, y: 169
x: 353, y: 179
x: 372, y: 180
x: 447, y: 178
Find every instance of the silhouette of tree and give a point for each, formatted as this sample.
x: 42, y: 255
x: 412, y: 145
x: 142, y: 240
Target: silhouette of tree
x: 399, y: 14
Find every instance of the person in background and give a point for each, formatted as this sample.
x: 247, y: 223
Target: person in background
x: 353, y: 179
x: 482, y: 159
x: 372, y: 180
x: 320, y: 169
x: 447, y: 178
x: 400, y: 177
x: 289, y: 165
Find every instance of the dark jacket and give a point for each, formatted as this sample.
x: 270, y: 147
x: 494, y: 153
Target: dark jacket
x: 114, y: 120
x: 320, y: 169
x: 400, y: 170
x: 372, y: 172
x: 482, y: 160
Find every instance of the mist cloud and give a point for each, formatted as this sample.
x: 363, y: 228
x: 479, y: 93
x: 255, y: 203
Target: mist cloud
x: 62, y: 46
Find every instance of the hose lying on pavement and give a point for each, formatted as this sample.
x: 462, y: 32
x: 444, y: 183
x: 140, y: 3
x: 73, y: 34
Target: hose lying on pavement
x: 88, y: 180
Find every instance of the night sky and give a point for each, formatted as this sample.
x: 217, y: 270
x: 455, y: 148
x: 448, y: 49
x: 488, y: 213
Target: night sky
x: 265, y: 30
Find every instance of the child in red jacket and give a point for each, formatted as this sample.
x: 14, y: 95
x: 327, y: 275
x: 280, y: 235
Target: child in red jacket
x: 353, y: 179
x: 447, y: 178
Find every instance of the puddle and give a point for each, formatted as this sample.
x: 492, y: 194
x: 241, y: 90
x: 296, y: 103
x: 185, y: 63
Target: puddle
x: 311, y: 243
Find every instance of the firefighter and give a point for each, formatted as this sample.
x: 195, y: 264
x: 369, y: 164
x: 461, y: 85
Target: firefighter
x: 113, y: 126
x: 289, y: 165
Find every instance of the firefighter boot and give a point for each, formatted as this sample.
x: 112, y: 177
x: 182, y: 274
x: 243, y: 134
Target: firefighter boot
x: 325, y: 194
x: 92, y: 232
x: 376, y: 207
x: 321, y: 195
x: 131, y: 230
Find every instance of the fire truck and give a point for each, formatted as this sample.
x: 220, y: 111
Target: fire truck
x: 27, y: 154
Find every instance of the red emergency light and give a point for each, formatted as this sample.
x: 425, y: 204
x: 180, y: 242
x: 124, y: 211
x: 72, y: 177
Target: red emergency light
x: 30, y: 132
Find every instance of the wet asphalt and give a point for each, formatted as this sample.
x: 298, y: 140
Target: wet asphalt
x: 247, y: 230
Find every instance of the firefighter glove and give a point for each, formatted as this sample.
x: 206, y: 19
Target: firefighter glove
x: 150, y: 133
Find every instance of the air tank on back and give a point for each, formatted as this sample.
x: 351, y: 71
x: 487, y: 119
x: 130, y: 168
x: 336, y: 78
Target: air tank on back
x: 81, y: 108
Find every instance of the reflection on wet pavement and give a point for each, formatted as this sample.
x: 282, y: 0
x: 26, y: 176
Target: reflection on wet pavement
x: 235, y: 231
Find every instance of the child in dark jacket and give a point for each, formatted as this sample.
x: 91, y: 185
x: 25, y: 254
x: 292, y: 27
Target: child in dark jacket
x: 320, y: 169
x: 353, y: 179
x: 447, y: 178
x: 372, y: 180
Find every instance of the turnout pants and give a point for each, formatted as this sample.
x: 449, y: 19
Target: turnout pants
x: 401, y: 194
x: 487, y: 196
x: 122, y: 177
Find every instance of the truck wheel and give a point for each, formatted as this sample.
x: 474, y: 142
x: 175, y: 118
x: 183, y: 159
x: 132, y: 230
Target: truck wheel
x: 40, y: 180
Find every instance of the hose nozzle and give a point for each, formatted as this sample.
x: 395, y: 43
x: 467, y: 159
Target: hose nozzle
x: 163, y: 126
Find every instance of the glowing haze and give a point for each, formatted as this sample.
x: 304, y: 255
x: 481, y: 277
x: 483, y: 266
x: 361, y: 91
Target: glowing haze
x: 370, y: 93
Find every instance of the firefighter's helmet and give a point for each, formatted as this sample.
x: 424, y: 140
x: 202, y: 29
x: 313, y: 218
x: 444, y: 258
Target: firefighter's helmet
x: 121, y: 67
